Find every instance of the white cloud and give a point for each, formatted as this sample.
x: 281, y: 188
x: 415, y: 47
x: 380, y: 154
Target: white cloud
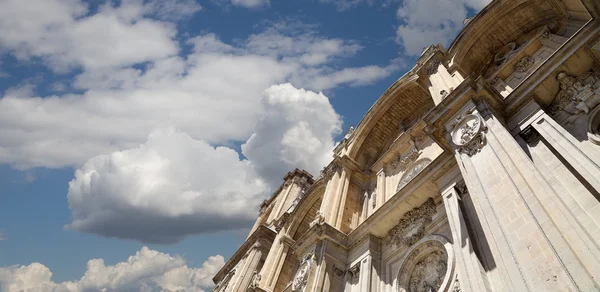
x: 251, y: 3
x: 147, y: 270
x: 427, y: 22
x: 63, y: 34
x: 163, y: 186
x: 213, y: 94
x: 165, y: 189
x: 173, y: 186
x: 297, y: 130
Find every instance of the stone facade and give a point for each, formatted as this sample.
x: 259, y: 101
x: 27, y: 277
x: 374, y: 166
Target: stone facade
x: 478, y: 170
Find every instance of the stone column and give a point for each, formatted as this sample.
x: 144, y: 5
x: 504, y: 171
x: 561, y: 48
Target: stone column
x: 334, y: 198
x: 274, y: 261
x: 582, y: 160
x: 381, y: 195
x: 469, y: 270
x: 509, y: 197
x: 249, y: 268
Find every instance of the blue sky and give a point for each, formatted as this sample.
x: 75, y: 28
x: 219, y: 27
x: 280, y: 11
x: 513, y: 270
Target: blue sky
x: 145, y: 132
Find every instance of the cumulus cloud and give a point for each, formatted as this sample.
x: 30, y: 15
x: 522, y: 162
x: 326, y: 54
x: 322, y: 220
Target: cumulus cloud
x: 167, y: 188
x: 251, y: 3
x: 147, y: 270
x: 296, y: 131
x: 212, y: 94
x: 427, y: 22
x: 135, y: 182
x: 63, y: 34
x: 173, y: 185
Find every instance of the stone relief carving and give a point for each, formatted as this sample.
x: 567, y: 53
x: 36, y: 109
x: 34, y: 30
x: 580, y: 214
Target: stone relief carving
x: 403, y: 162
x: 354, y: 271
x: 338, y: 272
x: 424, y: 269
x: 444, y: 93
x: 255, y: 280
x: 524, y: 64
x: 301, y: 277
x: 456, y: 287
x: 574, y: 91
x: 319, y: 219
x: 279, y: 225
x: 432, y: 66
x: 505, y: 53
x: 328, y: 171
x: 411, y: 227
x: 412, y: 173
x: 469, y: 134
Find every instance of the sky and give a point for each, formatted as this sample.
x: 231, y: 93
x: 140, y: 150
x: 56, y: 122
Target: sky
x: 139, y: 137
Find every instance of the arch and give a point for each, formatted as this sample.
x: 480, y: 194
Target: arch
x: 394, y: 112
x: 497, y: 25
x: 303, y: 214
x: 429, y: 263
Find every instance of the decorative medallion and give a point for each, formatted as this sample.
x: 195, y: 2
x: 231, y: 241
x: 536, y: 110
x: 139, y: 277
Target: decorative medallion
x: 412, y: 173
x: 424, y: 269
x: 505, y: 53
x: 469, y: 134
x: 411, y: 227
x: 301, y: 277
x: 574, y: 91
x: 524, y: 64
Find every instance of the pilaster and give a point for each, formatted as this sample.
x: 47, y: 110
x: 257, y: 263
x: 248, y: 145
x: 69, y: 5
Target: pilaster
x: 469, y: 270
x: 509, y: 194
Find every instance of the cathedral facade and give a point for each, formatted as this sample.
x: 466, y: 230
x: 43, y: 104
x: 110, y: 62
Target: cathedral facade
x: 478, y: 170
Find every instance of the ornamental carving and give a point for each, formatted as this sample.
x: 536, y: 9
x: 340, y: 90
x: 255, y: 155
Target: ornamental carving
x: 469, y: 134
x: 338, y: 272
x: 505, y: 53
x: 574, y: 91
x: 319, y: 219
x: 403, y: 162
x: 328, y: 171
x: 456, y: 287
x: 301, y: 277
x: 255, y: 280
x: 432, y: 66
x: 411, y: 227
x: 424, y: 269
x: 412, y: 173
x: 524, y: 64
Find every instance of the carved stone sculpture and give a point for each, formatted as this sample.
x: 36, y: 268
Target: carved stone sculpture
x: 432, y: 66
x: 574, y: 91
x: 412, y: 173
x: 524, y: 64
x: 301, y: 277
x: 505, y: 53
x: 255, y: 280
x: 319, y: 219
x: 411, y: 227
x: 469, y: 134
x: 424, y: 269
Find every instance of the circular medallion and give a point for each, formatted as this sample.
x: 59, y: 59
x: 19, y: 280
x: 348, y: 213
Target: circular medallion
x: 466, y: 129
x: 427, y: 268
